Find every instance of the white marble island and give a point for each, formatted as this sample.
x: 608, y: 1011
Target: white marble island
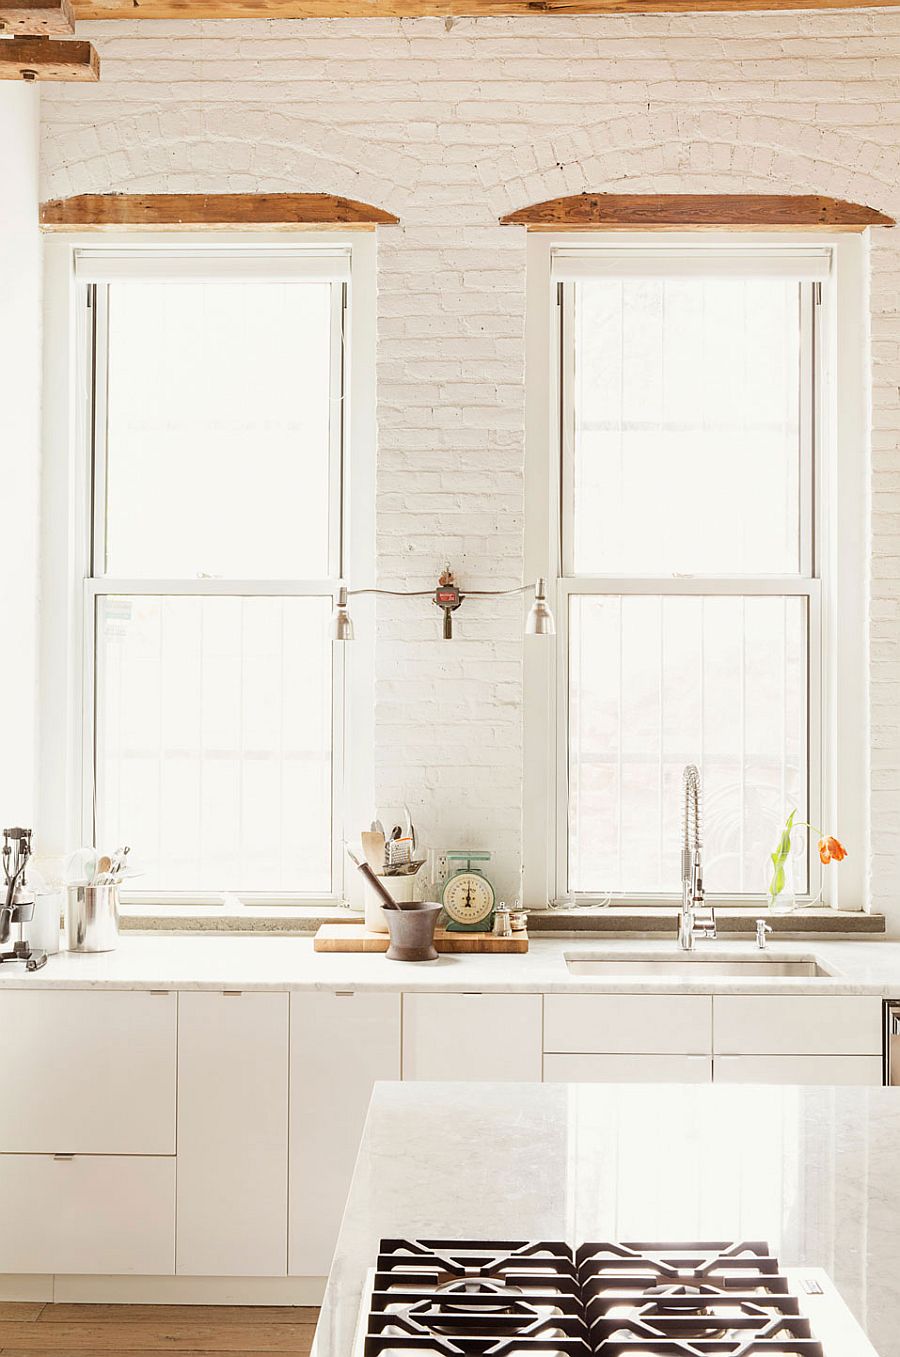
x: 815, y: 1171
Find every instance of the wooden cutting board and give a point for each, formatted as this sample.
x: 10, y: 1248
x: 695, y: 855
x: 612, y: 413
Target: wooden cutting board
x: 357, y: 938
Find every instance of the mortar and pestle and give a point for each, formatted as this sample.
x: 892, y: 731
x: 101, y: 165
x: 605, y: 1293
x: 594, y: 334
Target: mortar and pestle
x: 410, y: 923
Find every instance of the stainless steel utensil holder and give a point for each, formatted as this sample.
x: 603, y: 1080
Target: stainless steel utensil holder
x: 92, y: 918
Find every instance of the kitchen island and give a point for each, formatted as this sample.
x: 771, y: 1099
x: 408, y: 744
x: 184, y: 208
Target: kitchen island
x: 813, y: 1171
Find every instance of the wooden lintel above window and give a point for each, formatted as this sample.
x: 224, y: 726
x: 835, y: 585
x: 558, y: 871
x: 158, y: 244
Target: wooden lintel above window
x: 36, y: 18
x: 47, y: 59
x: 695, y: 211
x: 410, y: 9
x: 225, y: 211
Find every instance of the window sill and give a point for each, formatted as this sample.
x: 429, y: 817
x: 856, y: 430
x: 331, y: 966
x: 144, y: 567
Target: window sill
x: 232, y: 918
x: 738, y: 922
x: 584, y: 921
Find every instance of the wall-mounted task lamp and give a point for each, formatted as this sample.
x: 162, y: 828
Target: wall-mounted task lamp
x: 447, y: 596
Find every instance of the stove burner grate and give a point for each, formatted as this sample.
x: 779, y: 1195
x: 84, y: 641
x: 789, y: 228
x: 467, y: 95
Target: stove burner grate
x: 474, y: 1298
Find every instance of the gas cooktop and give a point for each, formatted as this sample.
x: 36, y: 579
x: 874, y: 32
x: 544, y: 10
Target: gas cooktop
x: 503, y: 1298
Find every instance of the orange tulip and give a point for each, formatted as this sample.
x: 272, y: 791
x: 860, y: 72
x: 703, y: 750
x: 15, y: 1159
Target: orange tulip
x: 831, y: 849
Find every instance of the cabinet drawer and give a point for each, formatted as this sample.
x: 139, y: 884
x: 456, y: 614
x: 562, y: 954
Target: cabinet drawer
x: 628, y: 1024
x: 798, y: 1069
x: 628, y: 1069
x: 755, y: 1024
x: 472, y: 1036
x: 94, y: 1213
x: 88, y: 1071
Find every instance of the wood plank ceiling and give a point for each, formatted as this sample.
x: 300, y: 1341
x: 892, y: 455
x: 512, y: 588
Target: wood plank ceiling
x: 33, y: 50
x: 301, y: 9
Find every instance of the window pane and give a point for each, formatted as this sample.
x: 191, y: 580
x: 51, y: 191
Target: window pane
x: 658, y: 682
x: 214, y: 740
x: 218, y: 430
x: 687, y: 426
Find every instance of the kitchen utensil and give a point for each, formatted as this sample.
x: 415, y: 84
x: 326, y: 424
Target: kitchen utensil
x: 399, y: 851
x: 103, y: 865
x: 412, y: 932
x: 18, y: 905
x: 81, y: 867
x: 92, y: 918
x: 409, y: 831
x: 403, y: 868
x: 373, y: 849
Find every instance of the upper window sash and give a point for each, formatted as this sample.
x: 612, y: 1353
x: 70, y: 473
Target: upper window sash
x: 209, y: 265
x: 571, y: 268
x: 213, y: 267
x: 641, y: 261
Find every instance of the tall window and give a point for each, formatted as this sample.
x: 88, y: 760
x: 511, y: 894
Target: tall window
x: 216, y: 421
x: 689, y: 591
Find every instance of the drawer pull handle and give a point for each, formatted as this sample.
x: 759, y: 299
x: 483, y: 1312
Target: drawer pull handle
x: 63, y: 1158
x: 232, y: 993
x: 344, y: 993
x: 159, y: 991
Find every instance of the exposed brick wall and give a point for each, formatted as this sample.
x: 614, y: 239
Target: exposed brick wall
x: 449, y: 129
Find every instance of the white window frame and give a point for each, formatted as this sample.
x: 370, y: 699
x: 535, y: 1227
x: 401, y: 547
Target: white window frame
x: 835, y: 542
x: 73, y: 523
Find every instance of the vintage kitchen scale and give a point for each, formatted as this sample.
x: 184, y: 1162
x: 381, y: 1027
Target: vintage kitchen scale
x: 468, y: 896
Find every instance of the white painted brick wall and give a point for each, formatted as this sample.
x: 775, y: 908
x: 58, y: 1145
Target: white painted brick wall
x: 449, y: 129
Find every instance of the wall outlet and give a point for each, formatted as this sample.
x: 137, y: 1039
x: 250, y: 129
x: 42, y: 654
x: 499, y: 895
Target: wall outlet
x: 441, y: 867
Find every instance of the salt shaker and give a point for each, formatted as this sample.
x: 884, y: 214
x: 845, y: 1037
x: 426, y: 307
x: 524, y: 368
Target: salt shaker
x: 502, y: 922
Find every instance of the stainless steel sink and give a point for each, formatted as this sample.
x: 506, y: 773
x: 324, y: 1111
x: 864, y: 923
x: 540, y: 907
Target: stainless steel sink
x: 695, y: 966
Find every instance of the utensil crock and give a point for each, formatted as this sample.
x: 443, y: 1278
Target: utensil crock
x: 92, y: 918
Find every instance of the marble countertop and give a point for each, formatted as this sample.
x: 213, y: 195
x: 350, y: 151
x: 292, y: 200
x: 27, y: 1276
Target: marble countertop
x: 253, y: 962
x: 813, y: 1171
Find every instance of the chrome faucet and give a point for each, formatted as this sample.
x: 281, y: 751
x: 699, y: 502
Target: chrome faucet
x: 695, y: 920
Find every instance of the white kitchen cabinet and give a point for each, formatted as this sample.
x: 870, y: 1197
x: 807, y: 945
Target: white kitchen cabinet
x: 341, y: 1043
x: 87, y: 1214
x: 798, y: 1069
x: 802, y: 1024
x: 472, y: 1036
x: 232, y: 1134
x: 87, y: 1071
x: 628, y: 1024
x: 627, y: 1069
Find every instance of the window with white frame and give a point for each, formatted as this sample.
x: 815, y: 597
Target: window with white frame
x: 689, y: 591
x: 213, y: 694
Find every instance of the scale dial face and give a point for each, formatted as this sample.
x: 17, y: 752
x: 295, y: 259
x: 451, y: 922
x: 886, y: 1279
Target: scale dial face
x: 468, y: 898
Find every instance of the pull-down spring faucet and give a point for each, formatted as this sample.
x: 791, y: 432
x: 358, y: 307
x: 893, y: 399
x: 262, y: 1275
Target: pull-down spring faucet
x: 694, y: 919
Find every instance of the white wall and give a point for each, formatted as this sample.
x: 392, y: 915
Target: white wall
x: 20, y: 389
x: 450, y: 129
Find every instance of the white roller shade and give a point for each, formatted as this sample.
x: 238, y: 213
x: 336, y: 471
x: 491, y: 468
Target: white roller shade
x: 193, y: 266
x: 807, y: 264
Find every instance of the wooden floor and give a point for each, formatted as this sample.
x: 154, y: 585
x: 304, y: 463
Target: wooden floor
x: 37, y: 1330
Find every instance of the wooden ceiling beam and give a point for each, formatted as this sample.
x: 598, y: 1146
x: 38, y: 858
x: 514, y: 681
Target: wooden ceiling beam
x: 226, y: 211
x: 695, y: 211
x: 47, y: 59
x: 36, y: 18
x: 355, y: 9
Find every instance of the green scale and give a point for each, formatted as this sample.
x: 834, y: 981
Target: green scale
x: 468, y: 896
